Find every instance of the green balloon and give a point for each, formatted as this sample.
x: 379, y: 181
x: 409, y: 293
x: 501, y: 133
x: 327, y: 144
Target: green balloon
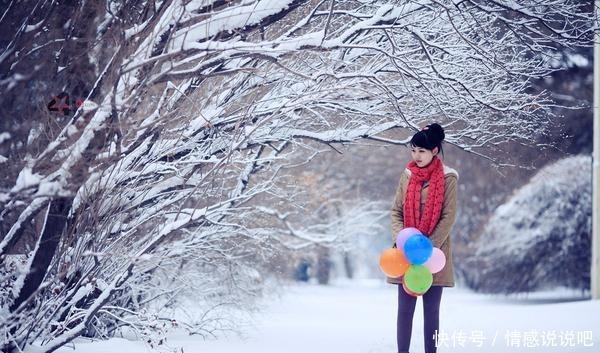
x: 418, y: 278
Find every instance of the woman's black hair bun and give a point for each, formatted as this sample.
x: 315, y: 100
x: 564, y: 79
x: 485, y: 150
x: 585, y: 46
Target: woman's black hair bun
x: 437, y: 130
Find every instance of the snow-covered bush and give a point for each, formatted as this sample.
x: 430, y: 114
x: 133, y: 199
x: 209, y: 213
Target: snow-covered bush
x: 541, y: 237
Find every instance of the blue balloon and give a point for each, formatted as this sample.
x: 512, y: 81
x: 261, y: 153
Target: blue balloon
x: 418, y: 249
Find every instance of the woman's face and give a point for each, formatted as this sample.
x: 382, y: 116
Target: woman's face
x: 423, y: 156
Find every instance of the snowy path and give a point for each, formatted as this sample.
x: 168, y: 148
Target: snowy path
x: 359, y: 317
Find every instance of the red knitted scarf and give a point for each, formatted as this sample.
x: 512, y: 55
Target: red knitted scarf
x: 434, y: 172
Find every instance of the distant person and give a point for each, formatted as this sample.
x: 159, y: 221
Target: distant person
x: 301, y: 273
x: 426, y: 200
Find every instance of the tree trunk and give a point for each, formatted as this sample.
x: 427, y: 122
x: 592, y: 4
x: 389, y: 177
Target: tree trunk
x: 44, y: 252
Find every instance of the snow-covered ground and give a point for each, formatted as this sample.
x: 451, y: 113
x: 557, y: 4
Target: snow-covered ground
x: 360, y: 317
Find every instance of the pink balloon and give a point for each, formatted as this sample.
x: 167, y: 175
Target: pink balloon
x: 437, y: 261
x: 405, y: 234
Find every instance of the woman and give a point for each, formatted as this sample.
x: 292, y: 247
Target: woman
x: 426, y: 200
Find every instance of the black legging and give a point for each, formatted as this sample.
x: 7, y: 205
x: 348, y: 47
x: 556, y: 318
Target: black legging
x: 431, y: 312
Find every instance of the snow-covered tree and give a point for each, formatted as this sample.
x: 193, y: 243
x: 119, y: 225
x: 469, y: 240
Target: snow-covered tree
x: 166, y: 175
x: 541, y: 237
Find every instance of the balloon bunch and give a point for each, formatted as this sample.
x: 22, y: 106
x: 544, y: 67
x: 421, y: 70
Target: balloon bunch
x: 415, y: 258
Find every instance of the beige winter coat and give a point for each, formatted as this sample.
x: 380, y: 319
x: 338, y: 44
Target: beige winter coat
x: 441, y: 234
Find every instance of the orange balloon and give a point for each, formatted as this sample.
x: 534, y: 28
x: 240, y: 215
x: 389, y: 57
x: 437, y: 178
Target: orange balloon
x: 393, y: 262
